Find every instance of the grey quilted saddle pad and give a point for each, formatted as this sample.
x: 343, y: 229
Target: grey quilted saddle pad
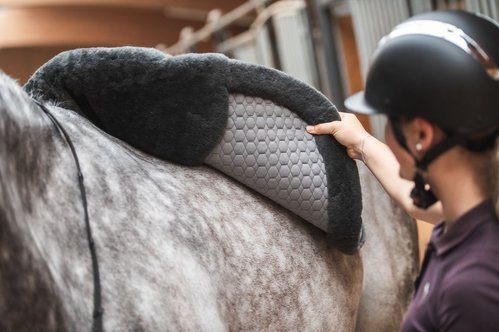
x: 245, y: 120
x: 266, y: 147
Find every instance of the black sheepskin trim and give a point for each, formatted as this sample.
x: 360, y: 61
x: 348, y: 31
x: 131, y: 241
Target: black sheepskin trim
x: 345, y: 197
x: 174, y: 108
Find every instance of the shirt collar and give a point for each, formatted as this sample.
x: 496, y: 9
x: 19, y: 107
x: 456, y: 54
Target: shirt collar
x: 461, y: 229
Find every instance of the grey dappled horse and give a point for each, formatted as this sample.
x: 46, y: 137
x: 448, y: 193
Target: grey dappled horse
x: 179, y: 248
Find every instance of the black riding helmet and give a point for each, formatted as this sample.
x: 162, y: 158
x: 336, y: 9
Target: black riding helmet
x: 441, y: 66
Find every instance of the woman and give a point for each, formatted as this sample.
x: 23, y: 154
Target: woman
x: 436, y: 77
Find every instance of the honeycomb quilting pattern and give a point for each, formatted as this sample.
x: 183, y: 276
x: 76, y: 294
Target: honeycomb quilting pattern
x: 266, y: 147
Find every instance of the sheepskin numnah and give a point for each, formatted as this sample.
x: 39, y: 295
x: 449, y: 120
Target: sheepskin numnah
x: 246, y: 120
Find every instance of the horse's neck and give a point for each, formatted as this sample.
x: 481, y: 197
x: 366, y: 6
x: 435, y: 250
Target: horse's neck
x: 29, y: 150
x: 32, y: 163
x: 26, y: 143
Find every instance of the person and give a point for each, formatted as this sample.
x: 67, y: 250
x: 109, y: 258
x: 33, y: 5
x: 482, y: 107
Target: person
x: 436, y: 78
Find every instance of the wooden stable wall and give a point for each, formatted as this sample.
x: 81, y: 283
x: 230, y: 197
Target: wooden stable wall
x: 20, y: 63
x: 350, y: 57
x: 424, y: 232
x: 33, y: 31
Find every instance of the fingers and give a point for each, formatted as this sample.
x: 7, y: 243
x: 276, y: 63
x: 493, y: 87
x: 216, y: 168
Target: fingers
x: 324, y: 128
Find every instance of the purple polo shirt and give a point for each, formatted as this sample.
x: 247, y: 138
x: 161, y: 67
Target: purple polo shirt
x: 458, y: 286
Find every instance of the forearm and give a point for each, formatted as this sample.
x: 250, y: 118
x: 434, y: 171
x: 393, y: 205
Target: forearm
x: 380, y: 160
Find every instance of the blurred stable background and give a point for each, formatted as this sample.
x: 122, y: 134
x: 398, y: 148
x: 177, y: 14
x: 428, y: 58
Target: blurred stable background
x: 326, y: 43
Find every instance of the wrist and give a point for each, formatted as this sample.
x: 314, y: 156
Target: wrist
x: 362, y: 147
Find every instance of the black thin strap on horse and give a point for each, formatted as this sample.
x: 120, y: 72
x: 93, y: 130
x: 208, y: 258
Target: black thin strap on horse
x: 98, y: 312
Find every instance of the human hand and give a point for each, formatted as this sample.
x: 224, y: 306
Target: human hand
x: 348, y: 132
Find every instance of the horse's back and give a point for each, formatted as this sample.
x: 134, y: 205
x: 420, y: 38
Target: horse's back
x: 239, y: 261
x: 191, y: 249
x: 182, y: 248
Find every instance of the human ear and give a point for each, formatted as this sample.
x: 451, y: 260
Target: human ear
x: 420, y: 135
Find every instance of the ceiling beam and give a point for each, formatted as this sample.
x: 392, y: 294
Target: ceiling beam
x: 32, y: 27
x: 199, y: 5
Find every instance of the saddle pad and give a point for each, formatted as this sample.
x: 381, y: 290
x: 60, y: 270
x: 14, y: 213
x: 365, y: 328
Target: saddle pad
x: 247, y: 121
x: 266, y: 147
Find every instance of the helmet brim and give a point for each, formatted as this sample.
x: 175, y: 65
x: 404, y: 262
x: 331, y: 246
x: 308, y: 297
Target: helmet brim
x: 356, y: 103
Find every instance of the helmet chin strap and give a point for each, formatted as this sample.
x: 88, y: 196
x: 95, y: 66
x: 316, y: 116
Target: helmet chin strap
x: 421, y: 194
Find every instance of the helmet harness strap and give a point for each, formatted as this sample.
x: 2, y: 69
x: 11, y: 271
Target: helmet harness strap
x: 421, y: 194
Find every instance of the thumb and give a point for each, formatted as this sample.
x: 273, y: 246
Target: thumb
x: 324, y: 128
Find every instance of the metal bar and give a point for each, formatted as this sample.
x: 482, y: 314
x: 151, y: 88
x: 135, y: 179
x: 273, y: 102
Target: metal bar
x: 409, y: 7
x: 205, y: 32
x: 230, y: 44
x: 495, y: 12
x: 326, y: 23
x: 486, y: 7
x: 311, y: 9
x: 276, y: 59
